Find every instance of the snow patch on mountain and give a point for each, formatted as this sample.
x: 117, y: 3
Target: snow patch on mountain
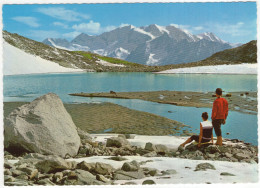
x: 144, y: 32
x: 105, y: 63
x: 121, y: 53
x: 101, y: 52
x: 80, y: 47
x: 16, y: 61
x: 152, y: 60
x: 162, y: 29
x: 57, y: 46
x: 189, y: 35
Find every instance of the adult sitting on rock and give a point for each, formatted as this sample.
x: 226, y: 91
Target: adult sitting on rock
x: 205, y: 132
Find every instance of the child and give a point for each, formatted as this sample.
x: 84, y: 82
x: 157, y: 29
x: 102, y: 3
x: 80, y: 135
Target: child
x: 205, y: 132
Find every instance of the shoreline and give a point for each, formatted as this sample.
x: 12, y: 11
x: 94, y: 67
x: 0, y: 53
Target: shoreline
x: 243, y: 102
x: 104, y: 118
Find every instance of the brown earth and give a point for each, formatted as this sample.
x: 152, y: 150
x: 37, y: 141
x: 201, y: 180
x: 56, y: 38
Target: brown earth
x: 96, y: 118
x: 244, y: 102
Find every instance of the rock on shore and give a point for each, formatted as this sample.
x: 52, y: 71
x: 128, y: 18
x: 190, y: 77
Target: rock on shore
x: 43, y: 126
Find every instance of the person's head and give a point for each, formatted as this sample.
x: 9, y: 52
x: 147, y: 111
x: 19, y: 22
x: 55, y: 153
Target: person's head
x: 205, y: 116
x: 218, y: 92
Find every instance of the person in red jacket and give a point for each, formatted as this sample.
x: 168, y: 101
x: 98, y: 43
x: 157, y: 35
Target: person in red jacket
x: 219, y: 114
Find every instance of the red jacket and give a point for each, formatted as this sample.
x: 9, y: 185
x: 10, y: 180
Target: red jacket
x: 220, y: 109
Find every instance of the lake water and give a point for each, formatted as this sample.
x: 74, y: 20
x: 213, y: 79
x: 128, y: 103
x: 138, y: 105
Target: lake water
x: 241, y: 126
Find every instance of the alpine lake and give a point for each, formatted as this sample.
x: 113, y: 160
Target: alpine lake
x: 242, y: 126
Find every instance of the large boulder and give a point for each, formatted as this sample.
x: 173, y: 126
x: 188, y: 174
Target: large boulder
x: 42, y: 126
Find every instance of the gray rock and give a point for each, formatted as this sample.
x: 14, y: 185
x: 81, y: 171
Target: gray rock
x: 148, y: 182
x: 129, y: 136
x: 86, y: 166
x: 153, y: 172
x: 116, y: 142
x: 149, y: 146
x: 31, y: 172
x: 45, y: 181
x: 7, y: 172
x: 86, y: 178
x: 198, y: 158
x: 162, y: 149
x: 204, y: 166
x: 23, y: 177
x: 117, y: 158
x: 212, y: 149
x: 17, y: 183
x: 102, y: 178
x: 72, y: 175
x: 241, y: 156
x: 43, y: 126
x: 53, y: 164
x: 129, y: 183
x: 226, y: 174
x: 169, y: 172
x: 58, y: 175
x: 103, y: 168
x: 83, y: 134
x: 8, y: 165
x: 228, y: 155
x: 123, y: 175
x: 210, y: 155
x: 130, y: 166
x: 122, y: 136
x: 151, y: 154
x: 16, y: 172
x: 8, y: 178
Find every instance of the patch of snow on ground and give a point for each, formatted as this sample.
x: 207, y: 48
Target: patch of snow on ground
x: 247, y: 173
x: 245, y: 68
x: 16, y: 61
x: 105, y: 63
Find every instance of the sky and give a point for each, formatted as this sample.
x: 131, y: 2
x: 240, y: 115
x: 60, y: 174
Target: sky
x: 233, y: 22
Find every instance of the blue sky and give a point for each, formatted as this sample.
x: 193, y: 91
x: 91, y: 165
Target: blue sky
x: 233, y: 22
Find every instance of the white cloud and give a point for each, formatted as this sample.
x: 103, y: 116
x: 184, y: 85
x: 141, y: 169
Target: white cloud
x: 234, y: 30
x: 40, y: 35
x: 109, y: 28
x: 65, y: 26
x: 63, y: 14
x: 71, y: 35
x: 31, y: 21
x: 92, y: 27
x: 123, y: 25
x: 198, y: 28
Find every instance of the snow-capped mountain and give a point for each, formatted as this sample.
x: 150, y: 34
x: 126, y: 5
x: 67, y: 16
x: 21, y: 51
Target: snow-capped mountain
x: 151, y: 45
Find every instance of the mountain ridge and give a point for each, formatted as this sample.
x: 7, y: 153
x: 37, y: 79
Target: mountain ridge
x: 144, y: 44
x: 94, y: 62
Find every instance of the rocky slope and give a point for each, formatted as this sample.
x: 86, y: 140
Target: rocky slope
x: 150, y: 45
x: 246, y: 53
x: 76, y: 59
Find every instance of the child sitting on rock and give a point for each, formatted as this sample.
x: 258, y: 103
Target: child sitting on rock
x: 205, y: 132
